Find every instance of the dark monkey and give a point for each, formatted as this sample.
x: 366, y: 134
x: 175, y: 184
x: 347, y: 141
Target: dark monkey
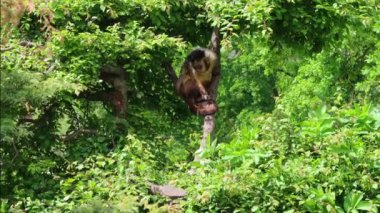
x: 194, y: 82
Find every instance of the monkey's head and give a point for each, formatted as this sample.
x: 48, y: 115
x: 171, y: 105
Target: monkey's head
x: 202, y: 60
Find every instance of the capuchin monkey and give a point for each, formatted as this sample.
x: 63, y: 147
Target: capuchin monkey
x: 194, y: 82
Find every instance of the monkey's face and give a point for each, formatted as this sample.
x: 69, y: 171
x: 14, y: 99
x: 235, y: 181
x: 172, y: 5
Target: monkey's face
x: 200, y: 66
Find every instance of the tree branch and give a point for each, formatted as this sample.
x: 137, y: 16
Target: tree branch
x: 171, y: 73
x: 209, y: 120
x: 78, y: 133
x: 215, y: 46
x: 27, y: 44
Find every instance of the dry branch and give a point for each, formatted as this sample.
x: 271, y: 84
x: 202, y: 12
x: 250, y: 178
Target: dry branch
x: 78, y: 133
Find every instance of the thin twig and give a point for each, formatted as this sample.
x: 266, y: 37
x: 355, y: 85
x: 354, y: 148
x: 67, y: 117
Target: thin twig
x: 16, y: 152
x: 78, y: 133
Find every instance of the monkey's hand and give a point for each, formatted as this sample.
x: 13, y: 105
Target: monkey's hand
x: 207, y: 107
x: 204, y: 98
x: 212, y: 97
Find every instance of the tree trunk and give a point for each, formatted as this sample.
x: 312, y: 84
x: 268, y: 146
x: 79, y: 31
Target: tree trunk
x: 209, y: 120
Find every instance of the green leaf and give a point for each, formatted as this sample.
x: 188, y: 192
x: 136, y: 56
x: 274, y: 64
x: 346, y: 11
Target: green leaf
x: 365, y: 205
x: 352, y: 200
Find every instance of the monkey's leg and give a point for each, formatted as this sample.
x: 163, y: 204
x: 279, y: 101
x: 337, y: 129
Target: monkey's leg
x: 192, y: 105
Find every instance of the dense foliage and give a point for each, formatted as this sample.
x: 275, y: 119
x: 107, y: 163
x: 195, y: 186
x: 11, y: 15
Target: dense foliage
x: 298, y: 128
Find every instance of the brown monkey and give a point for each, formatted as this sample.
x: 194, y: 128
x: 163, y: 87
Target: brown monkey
x: 116, y: 92
x: 194, y: 82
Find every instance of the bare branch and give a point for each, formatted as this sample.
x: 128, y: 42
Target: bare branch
x: 208, y: 130
x: 6, y: 49
x: 78, y: 133
x: 215, y: 41
x: 27, y: 44
x: 27, y: 119
x: 171, y: 73
x: 16, y: 151
x: 215, y: 46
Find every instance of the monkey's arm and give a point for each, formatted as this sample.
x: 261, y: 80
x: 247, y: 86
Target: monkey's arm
x: 202, y: 89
